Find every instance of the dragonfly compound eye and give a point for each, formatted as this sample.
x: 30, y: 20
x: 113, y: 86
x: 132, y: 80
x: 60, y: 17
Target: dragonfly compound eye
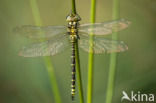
x: 77, y: 17
x: 73, y: 18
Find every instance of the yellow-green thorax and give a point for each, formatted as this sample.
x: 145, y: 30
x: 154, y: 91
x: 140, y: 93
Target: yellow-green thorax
x: 73, y: 24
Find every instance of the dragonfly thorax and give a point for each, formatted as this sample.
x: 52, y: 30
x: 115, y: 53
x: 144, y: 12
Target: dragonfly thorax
x: 73, y: 30
x: 73, y: 24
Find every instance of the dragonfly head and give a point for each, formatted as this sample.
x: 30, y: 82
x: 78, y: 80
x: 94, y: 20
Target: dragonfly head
x: 73, y: 18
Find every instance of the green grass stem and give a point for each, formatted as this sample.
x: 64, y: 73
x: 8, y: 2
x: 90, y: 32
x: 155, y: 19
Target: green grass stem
x: 78, y: 73
x: 73, y: 6
x: 47, y: 59
x: 91, y: 56
x: 113, y: 57
x: 78, y: 70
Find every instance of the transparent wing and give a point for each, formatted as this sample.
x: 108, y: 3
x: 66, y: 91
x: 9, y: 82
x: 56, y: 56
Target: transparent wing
x: 38, y: 32
x: 104, y: 28
x: 47, y: 48
x: 102, y: 45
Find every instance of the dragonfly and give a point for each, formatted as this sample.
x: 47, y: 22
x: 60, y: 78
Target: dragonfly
x: 58, y: 38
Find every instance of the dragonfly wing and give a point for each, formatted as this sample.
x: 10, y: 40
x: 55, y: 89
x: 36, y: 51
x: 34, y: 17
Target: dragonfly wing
x: 101, y: 45
x: 104, y: 28
x: 47, y: 48
x: 38, y: 32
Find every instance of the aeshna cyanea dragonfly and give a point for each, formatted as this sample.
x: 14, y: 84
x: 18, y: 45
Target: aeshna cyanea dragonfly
x: 58, y: 38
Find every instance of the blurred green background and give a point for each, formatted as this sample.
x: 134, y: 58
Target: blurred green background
x: 25, y: 80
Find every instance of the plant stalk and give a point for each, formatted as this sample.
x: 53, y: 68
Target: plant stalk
x: 78, y: 70
x: 73, y: 7
x: 78, y: 73
x: 91, y: 55
x: 47, y: 59
x: 113, y: 57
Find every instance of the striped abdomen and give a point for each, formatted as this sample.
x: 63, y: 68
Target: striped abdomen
x: 73, y: 81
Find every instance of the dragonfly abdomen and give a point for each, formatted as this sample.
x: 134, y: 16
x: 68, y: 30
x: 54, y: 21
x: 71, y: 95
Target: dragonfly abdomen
x: 73, y: 81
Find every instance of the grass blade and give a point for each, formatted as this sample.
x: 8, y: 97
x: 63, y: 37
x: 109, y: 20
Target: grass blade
x: 78, y: 70
x: 113, y: 57
x: 91, y: 56
x: 78, y: 73
x: 47, y: 60
x: 73, y: 6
